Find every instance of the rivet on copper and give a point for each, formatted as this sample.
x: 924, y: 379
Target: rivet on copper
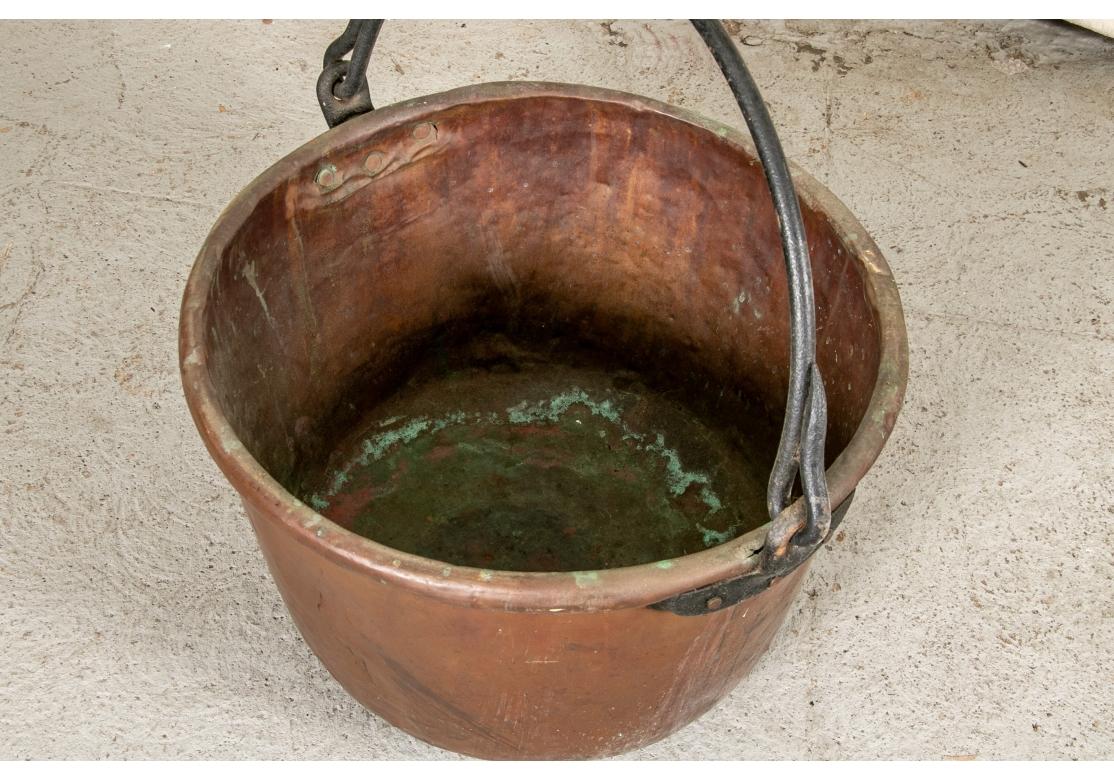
x: 374, y: 162
x: 424, y: 131
x: 327, y: 177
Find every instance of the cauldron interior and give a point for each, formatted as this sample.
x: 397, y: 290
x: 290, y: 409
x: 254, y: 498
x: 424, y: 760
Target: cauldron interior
x: 536, y: 245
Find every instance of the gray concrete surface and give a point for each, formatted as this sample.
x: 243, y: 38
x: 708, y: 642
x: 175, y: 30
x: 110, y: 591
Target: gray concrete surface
x: 967, y: 610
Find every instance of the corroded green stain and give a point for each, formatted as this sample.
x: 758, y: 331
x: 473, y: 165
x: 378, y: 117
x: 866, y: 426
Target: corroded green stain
x: 713, y: 537
x: 679, y: 479
x: 377, y: 446
x: 586, y: 579
x: 710, y: 498
x: 556, y: 406
x: 339, y: 481
x: 576, y: 479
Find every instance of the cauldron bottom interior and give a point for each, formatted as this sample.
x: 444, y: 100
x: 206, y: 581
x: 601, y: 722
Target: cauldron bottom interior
x: 511, y: 452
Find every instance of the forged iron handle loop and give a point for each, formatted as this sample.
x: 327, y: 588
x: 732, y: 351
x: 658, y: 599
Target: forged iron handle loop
x: 342, y: 88
x: 343, y: 92
x: 335, y: 109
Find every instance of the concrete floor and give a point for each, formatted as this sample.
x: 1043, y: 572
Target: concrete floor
x: 969, y: 608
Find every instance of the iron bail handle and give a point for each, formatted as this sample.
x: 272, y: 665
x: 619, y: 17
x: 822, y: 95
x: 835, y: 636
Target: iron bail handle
x: 340, y: 96
x: 795, y: 531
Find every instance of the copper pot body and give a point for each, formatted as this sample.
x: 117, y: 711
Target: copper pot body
x: 633, y: 223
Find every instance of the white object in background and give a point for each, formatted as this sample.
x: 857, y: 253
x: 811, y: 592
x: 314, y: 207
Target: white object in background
x: 1101, y: 26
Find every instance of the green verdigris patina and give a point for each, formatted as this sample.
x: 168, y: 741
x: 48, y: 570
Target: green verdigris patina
x: 540, y: 470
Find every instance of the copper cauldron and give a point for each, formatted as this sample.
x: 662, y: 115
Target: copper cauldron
x: 498, y: 374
